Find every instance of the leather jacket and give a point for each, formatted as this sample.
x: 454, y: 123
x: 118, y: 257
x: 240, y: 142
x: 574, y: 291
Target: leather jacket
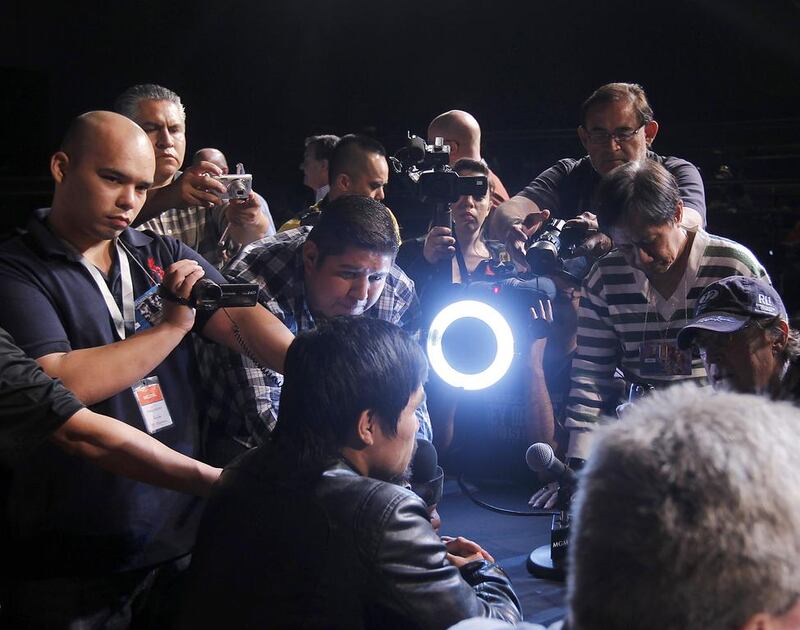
x: 335, y: 551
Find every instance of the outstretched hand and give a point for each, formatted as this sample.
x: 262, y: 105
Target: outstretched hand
x: 545, y: 498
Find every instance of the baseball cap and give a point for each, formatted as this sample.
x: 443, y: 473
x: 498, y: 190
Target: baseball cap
x: 727, y: 305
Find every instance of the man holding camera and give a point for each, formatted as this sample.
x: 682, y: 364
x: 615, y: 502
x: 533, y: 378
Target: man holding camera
x: 186, y: 205
x: 636, y: 299
x: 617, y: 127
x: 82, y: 294
x: 344, y: 265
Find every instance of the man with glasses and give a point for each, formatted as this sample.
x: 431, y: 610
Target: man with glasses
x: 617, y: 127
x: 742, y: 331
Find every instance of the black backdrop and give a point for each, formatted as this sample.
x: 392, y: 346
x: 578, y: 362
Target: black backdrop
x: 257, y: 77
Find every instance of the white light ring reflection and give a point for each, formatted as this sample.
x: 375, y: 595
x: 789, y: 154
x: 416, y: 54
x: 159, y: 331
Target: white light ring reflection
x: 496, y: 323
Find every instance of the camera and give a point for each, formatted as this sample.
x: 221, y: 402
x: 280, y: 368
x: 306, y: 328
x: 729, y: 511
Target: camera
x: 238, y: 187
x: 207, y: 295
x: 551, y: 250
x: 427, y: 167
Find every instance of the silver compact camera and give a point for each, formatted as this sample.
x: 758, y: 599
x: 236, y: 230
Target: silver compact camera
x: 238, y: 187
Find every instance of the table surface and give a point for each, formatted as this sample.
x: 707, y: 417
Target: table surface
x: 510, y: 539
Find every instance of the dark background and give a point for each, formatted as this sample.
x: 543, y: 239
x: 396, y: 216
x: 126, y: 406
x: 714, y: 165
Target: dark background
x: 257, y: 77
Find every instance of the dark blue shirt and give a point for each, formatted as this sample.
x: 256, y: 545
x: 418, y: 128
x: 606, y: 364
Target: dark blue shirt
x: 65, y: 516
x: 568, y: 187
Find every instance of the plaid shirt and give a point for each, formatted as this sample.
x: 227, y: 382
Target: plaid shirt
x: 199, y: 228
x: 243, y: 397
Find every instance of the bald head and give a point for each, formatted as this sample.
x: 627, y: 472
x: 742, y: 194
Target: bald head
x: 95, y: 132
x: 461, y: 131
x: 102, y: 174
x: 215, y: 156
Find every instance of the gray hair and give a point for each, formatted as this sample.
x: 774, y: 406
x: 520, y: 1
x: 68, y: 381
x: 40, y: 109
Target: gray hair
x: 127, y: 103
x: 643, y: 189
x: 687, y: 515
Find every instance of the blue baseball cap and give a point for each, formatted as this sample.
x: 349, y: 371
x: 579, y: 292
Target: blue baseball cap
x: 727, y: 305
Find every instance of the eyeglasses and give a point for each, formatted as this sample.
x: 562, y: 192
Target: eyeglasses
x: 620, y: 137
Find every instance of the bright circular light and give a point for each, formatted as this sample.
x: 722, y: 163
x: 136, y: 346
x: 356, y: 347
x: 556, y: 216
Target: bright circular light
x: 502, y: 334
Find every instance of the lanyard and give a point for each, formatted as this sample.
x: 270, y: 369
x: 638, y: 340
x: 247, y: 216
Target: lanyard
x: 122, y: 320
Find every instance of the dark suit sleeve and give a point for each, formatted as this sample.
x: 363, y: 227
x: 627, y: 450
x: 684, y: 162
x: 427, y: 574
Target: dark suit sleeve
x: 414, y: 576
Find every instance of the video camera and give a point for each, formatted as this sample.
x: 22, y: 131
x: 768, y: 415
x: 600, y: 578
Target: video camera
x: 427, y: 166
x: 207, y: 295
x: 551, y: 251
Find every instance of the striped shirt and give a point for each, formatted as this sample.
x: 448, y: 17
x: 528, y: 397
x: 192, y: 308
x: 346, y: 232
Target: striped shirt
x: 620, y: 313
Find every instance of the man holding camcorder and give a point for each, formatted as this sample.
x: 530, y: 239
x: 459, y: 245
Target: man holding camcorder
x: 82, y: 294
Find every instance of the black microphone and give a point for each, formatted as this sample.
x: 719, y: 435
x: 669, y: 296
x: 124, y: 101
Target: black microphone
x: 540, y: 458
x: 427, y: 477
x: 416, y: 149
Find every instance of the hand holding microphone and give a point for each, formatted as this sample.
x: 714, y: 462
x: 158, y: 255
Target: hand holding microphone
x: 541, y: 458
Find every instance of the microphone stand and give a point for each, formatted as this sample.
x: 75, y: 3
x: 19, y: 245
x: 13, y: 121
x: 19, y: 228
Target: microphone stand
x: 550, y: 561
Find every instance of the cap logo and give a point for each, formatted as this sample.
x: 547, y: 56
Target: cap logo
x: 765, y: 304
x: 707, y: 296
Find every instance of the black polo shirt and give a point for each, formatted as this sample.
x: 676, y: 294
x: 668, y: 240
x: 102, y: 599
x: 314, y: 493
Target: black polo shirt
x: 64, y: 515
x: 568, y: 187
x: 32, y: 405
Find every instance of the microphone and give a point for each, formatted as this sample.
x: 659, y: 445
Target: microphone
x: 540, y: 458
x: 427, y: 477
x: 549, y: 561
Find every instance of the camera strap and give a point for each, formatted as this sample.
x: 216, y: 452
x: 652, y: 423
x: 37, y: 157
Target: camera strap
x: 466, y: 277
x: 123, y: 320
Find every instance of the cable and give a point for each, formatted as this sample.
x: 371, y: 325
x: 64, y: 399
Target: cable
x: 499, y: 510
x: 245, y: 348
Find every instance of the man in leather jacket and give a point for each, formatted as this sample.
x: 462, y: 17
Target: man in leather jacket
x: 309, y: 530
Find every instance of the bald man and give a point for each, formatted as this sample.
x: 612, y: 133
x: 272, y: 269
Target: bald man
x: 462, y: 132
x: 81, y: 295
x: 217, y: 157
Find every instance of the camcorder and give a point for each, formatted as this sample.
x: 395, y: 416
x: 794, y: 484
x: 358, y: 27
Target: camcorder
x: 427, y: 167
x: 207, y: 295
x: 551, y: 250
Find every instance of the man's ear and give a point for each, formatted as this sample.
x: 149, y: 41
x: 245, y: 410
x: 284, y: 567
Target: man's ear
x: 678, y: 216
x: 342, y: 182
x: 325, y: 167
x: 779, y: 342
x: 310, y: 256
x: 650, y: 132
x: 584, y: 137
x: 59, y: 164
x: 366, y: 428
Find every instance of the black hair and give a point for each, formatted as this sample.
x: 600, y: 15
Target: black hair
x: 335, y: 372
x: 349, y: 154
x: 355, y: 221
x: 644, y: 189
x: 613, y: 92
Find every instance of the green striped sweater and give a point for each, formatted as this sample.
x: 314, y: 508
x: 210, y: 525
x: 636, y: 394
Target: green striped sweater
x: 619, y: 311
